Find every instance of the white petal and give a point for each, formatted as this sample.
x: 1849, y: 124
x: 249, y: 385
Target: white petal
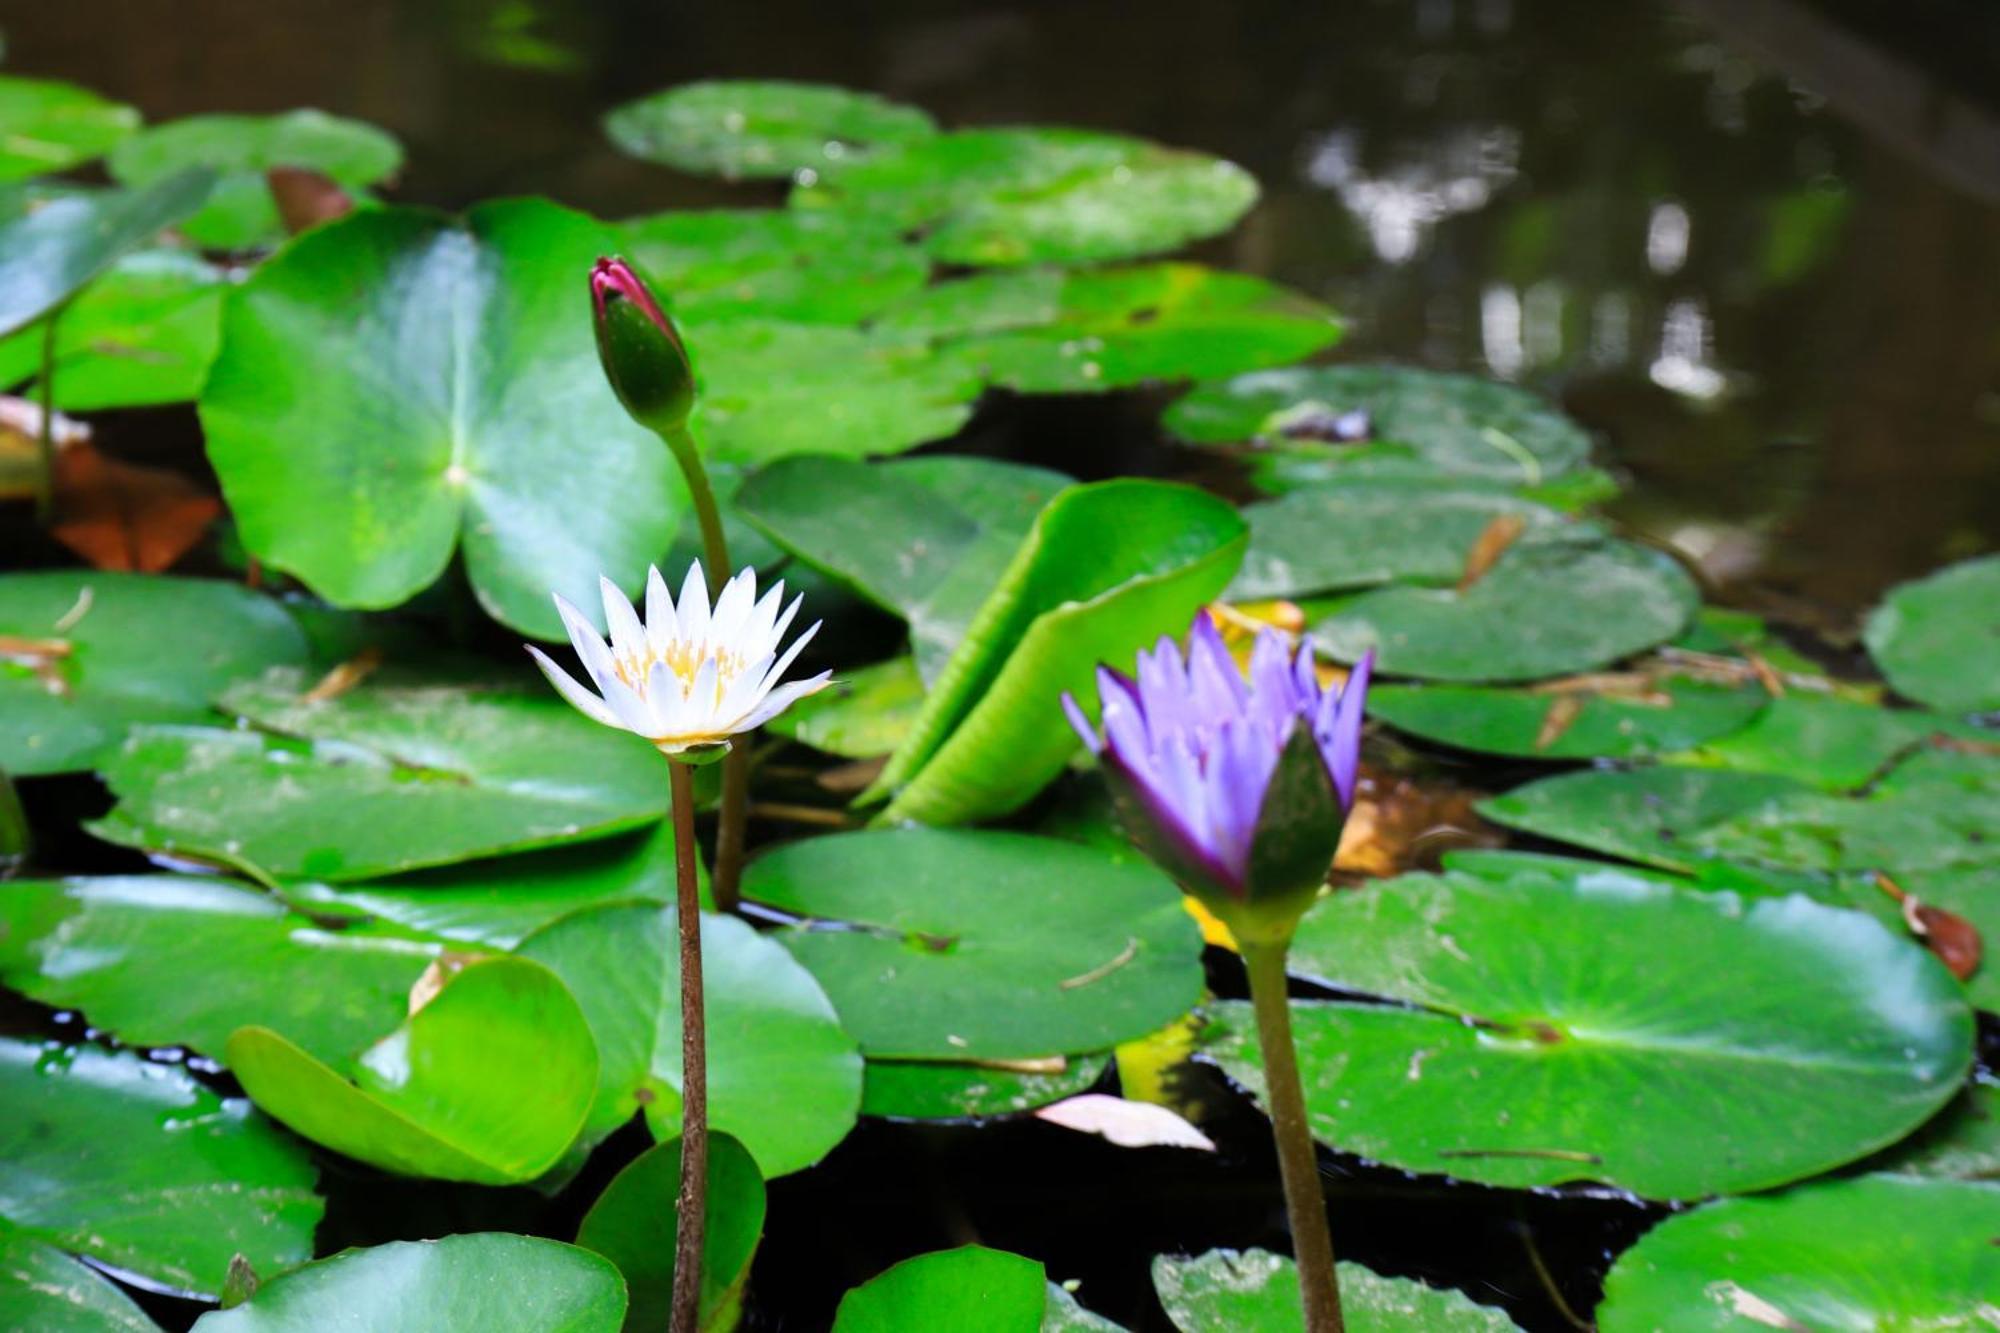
x: 661, y: 627
x: 589, y: 645
x: 772, y: 676
x: 739, y: 595
x: 785, y: 621
x: 667, y: 700
x: 692, y: 609
x: 634, y: 713
x: 778, y: 700
x: 628, y: 636
x: 701, y: 699
x: 748, y: 687
x: 579, y: 698
x: 758, y: 638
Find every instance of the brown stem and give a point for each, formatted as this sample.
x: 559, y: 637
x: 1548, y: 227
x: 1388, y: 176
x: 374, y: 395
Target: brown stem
x: 693, y: 1206
x: 1305, y: 1204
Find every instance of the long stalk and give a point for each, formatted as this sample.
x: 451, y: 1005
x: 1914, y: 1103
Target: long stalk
x: 1305, y: 1205
x: 693, y: 1206
x: 733, y: 818
x: 45, y: 437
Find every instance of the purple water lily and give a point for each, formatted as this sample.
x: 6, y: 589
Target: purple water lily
x: 1238, y: 788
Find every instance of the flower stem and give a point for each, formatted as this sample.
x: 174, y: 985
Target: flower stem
x: 45, y: 438
x: 1305, y: 1205
x: 734, y: 815
x: 692, y: 1209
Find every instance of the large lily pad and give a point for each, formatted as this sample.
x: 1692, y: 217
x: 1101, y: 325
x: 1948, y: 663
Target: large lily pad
x: 1935, y: 639
x: 140, y: 1167
x: 1449, y: 425
x: 44, y: 1290
x: 1556, y: 602
x: 783, y: 1077
x: 967, y: 1290
x: 488, y: 1082
x: 99, y: 652
x: 816, y: 268
x: 1672, y: 1042
x: 1105, y: 570
x: 1255, y: 1291
x: 1588, y: 718
x: 948, y: 944
x: 382, y: 779
x: 1827, y: 740
x: 143, y: 333
x: 455, y: 403
x: 48, y: 126
x: 177, y: 960
x: 482, y: 1282
x: 241, y: 213
x: 761, y: 128
x: 1040, y: 195
x: 1880, y: 1252
x: 51, y: 249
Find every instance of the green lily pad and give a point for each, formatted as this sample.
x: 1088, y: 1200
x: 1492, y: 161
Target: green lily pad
x: 1961, y: 1142
x: 1881, y: 1252
x: 488, y: 1082
x: 121, y: 649
x: 635, y: 1221
x: 783, y: 1077
x: 1826, y: 740
x: 140, y: 1167
x: 1065, y: 1315
x: 1647, y: 814
x: 866, y: 712
x: 143, y: 333
x: 979, y: 303
x: 1556, y: 602
x: 1447, y: 425
x: 43, y: 1289
x: 482, y: 1282
x: 48, y: 126
x: 385, y: 778
x: 1638, y: 720
x: 241, y: 213
x: 924, y: 538
x: 1357, y: 534
x: 1738, y: 634
x: 1254, y: 1291
x: 967, y: 1290
x: 761, y: 128
x: 1672, y: 1042
x: 1106, y: 569
x: 458, y: 397
x: 1935, y: 639
x: 940, y: 1090
x: 1039, y: 195
x: 51, y: 249
x: 178, y: 960
x: 940, y: 944
x: 1117, y: 327
x: 762, y: 263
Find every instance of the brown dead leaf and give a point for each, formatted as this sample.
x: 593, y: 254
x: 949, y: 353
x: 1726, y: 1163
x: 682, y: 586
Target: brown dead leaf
x: 1397, y: 825
x: 345, y: 676
x: 1563, y: 710
x: 126, y: 517
x: 1491, y: 544
x: 306, y: 198
x: 1952, y: 939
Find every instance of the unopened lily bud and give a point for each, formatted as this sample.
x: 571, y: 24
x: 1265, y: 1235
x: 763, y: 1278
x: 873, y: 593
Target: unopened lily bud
x: 641, y: 350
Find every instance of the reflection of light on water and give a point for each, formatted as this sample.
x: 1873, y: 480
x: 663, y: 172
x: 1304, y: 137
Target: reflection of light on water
x: 1500, y: 331
x: 1667, y: 238
x: 1682, y: 364
x: 1457, y: 175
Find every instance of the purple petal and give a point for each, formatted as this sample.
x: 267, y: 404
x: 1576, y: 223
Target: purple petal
x: 1163, y: 689
x: 1167, y: 836
x: 1270, y: 682
x: 1210, y: 665
x: 1340, y: 740
x: 1074, y: 712
x: 1125, y: 727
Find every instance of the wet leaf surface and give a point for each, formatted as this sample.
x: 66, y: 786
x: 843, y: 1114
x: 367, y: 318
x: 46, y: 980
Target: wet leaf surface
x: 761, y: 128
x: 42, y: 1288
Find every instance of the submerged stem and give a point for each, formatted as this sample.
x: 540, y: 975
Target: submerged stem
x: 734, y: 815
x: 693, y: 1206
x: 45, y: 437
x: 1305, y: 1205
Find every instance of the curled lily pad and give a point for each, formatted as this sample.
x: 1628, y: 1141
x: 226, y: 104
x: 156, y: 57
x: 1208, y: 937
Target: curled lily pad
x: 48, y: 126
x: 1935, y: 638
x: 143, y: 333
x: 1254, y: 1291
x: 970, y: 1288
x: 761, y: 128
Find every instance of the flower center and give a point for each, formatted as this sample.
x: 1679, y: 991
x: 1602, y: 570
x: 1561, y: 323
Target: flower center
x: 683, y: 660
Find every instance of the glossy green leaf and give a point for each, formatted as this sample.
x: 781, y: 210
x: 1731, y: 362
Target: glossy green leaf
x: 1826, y: 740
x: 1646, y: 814
x: 241, y: 213
x: 143, y: 333
x: 51, y: 249
x: 457, y: 399
x: 482, y: 1282
x: 488, y: 1082
x: 1556, y: 602
x: 1040, y: 195
x: 385, y: 778
x: 635, y: 1221
x: 1117, y: 327
x: 924, y: 538
x: 1106, y: 569
x: 1636, y: 721
x: 939, y: 944
x: 783, y: 1077
x: 1880, y: 1252
x: 48, y: 126
x: 1961, y: 1142
x: 815, y: 268
x: 1254, y: 1291
x: 1672, y: 1042
x: 121, y: 649
x: 940, y: 1090
x: 139, y: 1166
x: 1934, y: 638
x: 967, y: 1290
x: 43, y: 1290
x: 761, y: 128
x: 1360, y: 533
x: 178, y: 960
x: 1427, y: 424
x: 865, y: 712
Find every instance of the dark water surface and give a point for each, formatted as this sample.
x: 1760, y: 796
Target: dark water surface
x: 1755, y: 244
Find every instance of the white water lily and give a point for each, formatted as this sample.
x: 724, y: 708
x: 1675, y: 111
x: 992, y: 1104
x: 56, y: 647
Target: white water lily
x: 689, y: 677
